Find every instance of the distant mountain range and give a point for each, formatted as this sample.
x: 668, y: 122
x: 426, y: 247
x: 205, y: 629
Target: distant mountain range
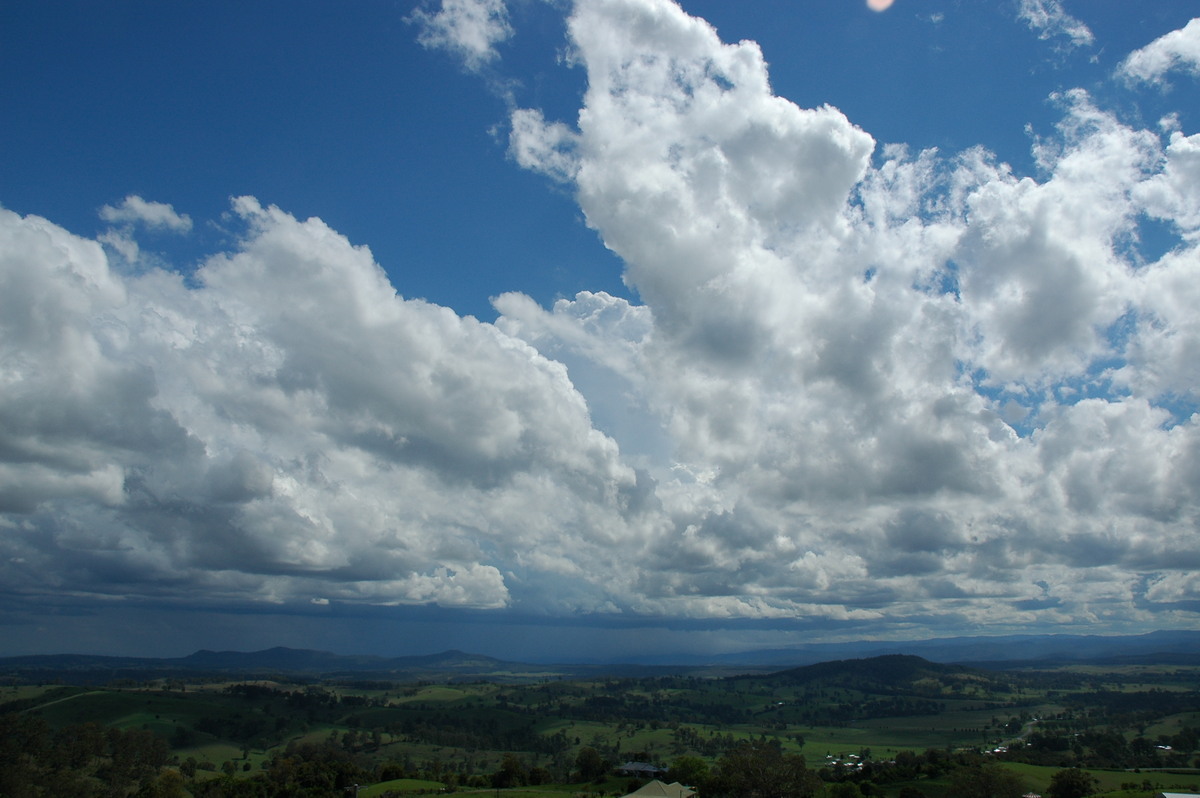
x: 1180, y: 646
x: 302, y: 664
x: 1007, y: 652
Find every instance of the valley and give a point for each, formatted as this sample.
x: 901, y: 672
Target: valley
x: 893, y: 725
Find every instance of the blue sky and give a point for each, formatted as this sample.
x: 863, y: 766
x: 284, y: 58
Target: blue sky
x: 578, y: 330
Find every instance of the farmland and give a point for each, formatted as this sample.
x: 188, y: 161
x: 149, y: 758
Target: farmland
x: 886, y: 726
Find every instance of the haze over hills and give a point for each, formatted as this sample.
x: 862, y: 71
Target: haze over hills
x: 279, y: 660
x: 1181, y: 646
x: 305, y: 664
x: 1159, y: 645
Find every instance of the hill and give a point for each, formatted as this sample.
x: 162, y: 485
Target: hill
x: 1180, y: 646
x: 888, y: 672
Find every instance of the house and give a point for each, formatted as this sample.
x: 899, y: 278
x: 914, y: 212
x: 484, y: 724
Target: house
x: 642, y: 770
x: 656, y: 789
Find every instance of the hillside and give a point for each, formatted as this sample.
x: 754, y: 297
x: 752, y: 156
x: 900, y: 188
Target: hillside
x: 886, y: 673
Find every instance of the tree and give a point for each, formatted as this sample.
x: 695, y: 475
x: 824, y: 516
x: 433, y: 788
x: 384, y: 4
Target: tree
x: 309, y: 769
x: 590, y: 764
x: 1072, y: 783
x: 689, y: 770
x: 762, y: 770
x: 511, y: 773
x: 134, y: 754
x: 169, y: 784
x: 987, y: 780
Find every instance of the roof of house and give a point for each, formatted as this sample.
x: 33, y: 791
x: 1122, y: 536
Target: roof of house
x: 641, y: 767
x: 656, y: 789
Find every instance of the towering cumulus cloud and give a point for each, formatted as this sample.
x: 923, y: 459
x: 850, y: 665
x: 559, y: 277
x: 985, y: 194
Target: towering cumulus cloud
x: 863, y: 386
x: 906, y: 386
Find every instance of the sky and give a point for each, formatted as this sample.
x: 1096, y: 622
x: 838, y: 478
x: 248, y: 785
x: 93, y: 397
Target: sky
x: 596, y: 330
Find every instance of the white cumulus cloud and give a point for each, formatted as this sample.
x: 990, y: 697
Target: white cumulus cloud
x: 1177, y: 50
x: 839, y: 335
x: 291, y: 427
x: 863, y: 385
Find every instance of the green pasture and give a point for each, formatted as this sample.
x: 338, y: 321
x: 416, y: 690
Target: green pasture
x: 1159, y: 780
x: 1111, y: 781
x: 421, y: 787
x: 592, y: 732
x: 24, y: 692
x: 820, y: 742
x: 425, y: 752
x: 315, y: 735
x: 549, y: 726
x: 218, y: 753
x: 886, y: 736
x: 549, y: 791
x: 1172, y: 725
x: 149, y: 721
x: 117, y: 708
x: 440, y: 693
x: 408, y: 786
x: 645, y: 739
x: 1132, y: 672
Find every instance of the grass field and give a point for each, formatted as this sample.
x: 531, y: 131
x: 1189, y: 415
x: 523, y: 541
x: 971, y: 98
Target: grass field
x: 21, y: 692
x: 1172, y: 725
x: 442, y: 693
x: 219, y: 753
x: 1111, y: 781
x: 404, y: 786
x: 887, y: 736
x: 124, y: 709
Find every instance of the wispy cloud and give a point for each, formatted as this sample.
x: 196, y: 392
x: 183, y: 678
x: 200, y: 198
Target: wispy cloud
x: 135, y: 210
x: 1049, y: 20
x: 470, y: 29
